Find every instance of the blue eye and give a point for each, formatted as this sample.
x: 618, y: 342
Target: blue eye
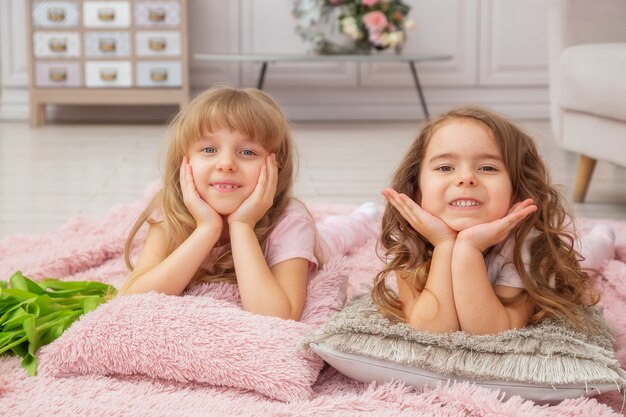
x: 209, y: 149
x: 248, y: 152
x: 488, y: 168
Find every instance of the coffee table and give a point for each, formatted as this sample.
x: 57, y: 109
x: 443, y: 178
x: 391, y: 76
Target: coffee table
x: 266, y: 59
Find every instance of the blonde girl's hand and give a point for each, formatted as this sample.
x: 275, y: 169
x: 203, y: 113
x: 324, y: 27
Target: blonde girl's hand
x: 253, y: 208
x: 485, y: 235
x: 202, y: 212
x: 429, y: 226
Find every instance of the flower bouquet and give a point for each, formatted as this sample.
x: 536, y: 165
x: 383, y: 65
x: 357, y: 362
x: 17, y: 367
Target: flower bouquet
x: 34, y: 313
x: 365, y: 24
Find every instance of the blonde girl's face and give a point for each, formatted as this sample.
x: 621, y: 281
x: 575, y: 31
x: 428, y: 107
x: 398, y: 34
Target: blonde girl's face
x: 226, y: 166
x: 463, y: 179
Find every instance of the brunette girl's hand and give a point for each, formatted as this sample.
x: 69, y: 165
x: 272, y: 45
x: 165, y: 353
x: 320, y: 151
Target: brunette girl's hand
x: 202, y: 212
x: 259, y: 202
x: 485, y: 235
x: 429, y: 226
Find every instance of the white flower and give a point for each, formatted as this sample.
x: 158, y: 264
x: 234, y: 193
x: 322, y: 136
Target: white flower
x: 395, y: 38
x: 409, y: 24
x: 350, y: 28
x: 384, y: 40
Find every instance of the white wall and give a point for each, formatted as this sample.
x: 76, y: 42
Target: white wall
x: 499, y: 50
x: 13, y: 62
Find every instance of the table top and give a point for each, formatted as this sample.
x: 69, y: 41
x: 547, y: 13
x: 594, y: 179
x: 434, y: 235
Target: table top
x: 373, y: 57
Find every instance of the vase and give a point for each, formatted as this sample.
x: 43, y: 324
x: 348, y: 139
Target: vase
x: 362, y: 47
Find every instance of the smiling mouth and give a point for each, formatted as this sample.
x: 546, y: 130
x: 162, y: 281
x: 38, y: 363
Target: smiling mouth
x: 462, y: 203
x: 224, y: 186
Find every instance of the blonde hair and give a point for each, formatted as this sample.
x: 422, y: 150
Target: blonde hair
x: 554, y: 282
x: 247, y: 111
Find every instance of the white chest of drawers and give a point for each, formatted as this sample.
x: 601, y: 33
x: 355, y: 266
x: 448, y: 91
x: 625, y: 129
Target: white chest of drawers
x: 107, y: 52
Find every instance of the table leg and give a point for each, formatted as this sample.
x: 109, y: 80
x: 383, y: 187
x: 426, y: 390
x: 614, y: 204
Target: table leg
x: 419, y: 89
x: 261, y: 79
x: 37, y: 113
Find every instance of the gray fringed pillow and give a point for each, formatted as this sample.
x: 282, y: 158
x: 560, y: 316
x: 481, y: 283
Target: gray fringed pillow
x: 545, y: 355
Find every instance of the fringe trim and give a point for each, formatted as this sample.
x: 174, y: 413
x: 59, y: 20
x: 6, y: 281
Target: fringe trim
x: 527, y: 368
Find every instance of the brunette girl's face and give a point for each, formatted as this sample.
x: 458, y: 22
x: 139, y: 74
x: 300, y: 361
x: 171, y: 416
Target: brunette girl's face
x: 463, y: 179
x: 226, y: 165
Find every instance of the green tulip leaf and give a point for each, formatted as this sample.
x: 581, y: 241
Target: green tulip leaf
x: 20, y: 282
x: 16, y: 319
x: 29, y: 363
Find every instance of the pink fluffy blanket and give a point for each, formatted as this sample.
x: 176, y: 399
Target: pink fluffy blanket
x: 92, y: 249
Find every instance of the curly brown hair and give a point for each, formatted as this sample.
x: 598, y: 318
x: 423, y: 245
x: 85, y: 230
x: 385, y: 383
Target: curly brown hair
x: 554, y: 281
x: 248, y: 111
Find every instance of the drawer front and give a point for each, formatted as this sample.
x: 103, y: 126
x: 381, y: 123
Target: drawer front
x: 157, y: 43
x: 57, y: 74
x: 106, y: 14
x: 55, y: 14
x: 108, y: 74
x: 56, y: 44
x: 157, y: 13
x: 159, y: 74
x: 103, y: 44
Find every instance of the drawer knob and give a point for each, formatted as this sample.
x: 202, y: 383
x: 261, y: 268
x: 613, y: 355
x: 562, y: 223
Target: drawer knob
x: 56, y: 14
x: 106, y: 14
x: 157, y: 44
x: 108, y: 74
x: 57, y: 74
x: 57, y: 44
x: 156, y: 14
x: 107, y: 45
x: 158, y: 74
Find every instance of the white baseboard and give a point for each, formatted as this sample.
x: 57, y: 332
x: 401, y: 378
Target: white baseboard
x: 14, y: 104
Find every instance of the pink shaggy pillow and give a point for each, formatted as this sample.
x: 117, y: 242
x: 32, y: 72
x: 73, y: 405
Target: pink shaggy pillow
x: 201, y: 339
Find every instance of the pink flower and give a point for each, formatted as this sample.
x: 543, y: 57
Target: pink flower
x: 375, y: 38
x: 375, y: 21
x: 369, y: 2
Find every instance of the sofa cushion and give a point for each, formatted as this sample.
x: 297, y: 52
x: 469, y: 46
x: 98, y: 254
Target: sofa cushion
x: 592, y: 77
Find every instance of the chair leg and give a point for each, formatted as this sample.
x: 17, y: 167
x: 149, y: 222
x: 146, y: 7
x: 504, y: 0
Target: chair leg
x: 586, y: 166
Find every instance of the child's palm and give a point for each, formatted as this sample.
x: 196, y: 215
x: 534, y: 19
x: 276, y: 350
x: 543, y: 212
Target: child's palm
x: 253, y: 208
x: 485, y: 235
x: 429, y: 226
x: 201, y: 211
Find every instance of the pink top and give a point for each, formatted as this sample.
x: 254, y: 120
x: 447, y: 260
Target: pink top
x: 500, y: 267
x: 293, y: 237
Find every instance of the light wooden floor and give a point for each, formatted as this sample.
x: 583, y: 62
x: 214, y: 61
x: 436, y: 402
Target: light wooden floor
x: 52, y: 173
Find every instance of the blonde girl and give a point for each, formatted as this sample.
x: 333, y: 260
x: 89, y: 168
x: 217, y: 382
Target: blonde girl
x: 225, y: 211
x: 475, y: 234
